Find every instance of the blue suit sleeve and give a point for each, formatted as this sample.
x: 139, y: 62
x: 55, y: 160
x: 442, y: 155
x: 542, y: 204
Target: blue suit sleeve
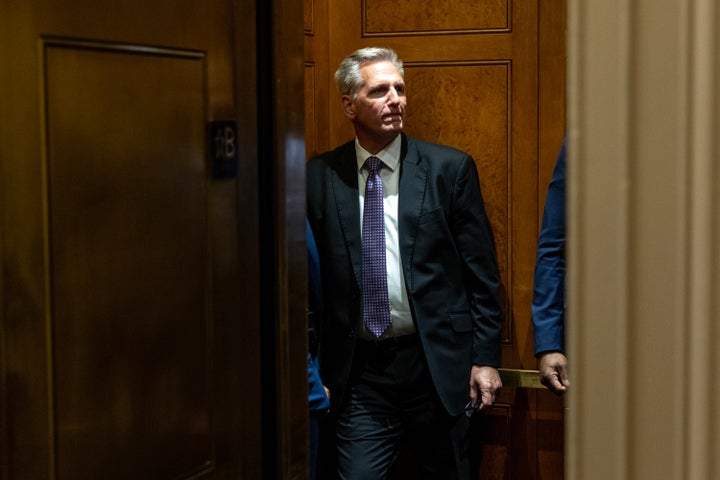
x: 548, y: 307
x: 314, y: 282
x: 317, y: 398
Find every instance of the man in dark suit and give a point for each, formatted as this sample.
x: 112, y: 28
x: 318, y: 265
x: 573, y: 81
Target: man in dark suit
x: 419, y: 378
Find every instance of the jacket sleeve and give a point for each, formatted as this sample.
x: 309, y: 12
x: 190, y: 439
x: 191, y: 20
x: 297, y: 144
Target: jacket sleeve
x: 474, y: 240
x: 548, y: 307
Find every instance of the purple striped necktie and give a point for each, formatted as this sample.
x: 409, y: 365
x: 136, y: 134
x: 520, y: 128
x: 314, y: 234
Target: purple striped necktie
x: 376, y: 305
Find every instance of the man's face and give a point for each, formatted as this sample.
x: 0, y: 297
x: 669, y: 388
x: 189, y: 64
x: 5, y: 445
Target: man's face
x: 378, y: 110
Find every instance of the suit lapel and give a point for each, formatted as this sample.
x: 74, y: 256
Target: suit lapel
x: 345, y: 190
x: 413, y: 183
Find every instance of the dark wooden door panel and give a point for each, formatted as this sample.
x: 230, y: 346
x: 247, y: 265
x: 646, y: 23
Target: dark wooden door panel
x: 130, y: 324
x: 129, y: 261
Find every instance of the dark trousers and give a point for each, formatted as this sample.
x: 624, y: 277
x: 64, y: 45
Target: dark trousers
x: 314, y: 427
x: 392, y: 403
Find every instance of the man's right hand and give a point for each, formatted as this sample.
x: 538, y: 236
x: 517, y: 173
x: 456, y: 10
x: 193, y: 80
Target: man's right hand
x: 554, y: 372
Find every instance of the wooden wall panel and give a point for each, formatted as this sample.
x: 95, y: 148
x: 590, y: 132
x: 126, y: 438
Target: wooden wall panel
x: 496, y: 439
x: 406, y: 17
x: 319, y: 86
x: 308, y: 17
x: 311, y: 117
x: 551, y: 89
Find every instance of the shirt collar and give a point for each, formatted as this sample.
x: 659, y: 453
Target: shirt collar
x: 389, y: 155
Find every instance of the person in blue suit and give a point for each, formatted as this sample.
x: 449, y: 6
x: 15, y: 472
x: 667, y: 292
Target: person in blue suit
x: 548, y: 307
x: 317, y: 399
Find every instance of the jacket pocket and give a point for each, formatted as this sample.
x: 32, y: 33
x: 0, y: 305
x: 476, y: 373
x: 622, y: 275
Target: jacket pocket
x: 433, y: 216
x: 460, y: 321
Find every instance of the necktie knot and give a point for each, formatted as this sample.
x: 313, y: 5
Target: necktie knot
x: 373, y: 164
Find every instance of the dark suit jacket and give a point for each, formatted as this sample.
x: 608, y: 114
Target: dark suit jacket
x: 448, y: 258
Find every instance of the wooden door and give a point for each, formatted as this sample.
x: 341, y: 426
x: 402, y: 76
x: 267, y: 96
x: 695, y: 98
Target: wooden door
x: 486, y: 77
x: 129, y: 298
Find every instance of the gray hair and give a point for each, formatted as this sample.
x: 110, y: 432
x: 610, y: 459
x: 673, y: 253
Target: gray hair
x: 348, y: 77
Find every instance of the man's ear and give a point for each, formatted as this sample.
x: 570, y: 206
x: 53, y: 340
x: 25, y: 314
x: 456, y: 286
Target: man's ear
x: 348, y: 106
